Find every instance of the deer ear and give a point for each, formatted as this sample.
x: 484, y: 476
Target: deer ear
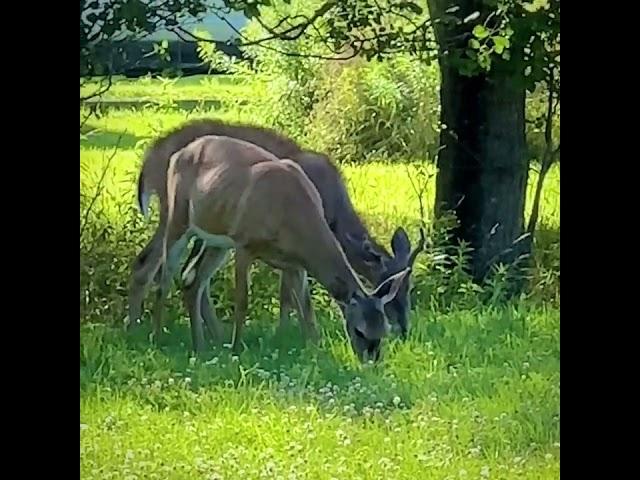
x: 400, y: 243
x: 391, y: 286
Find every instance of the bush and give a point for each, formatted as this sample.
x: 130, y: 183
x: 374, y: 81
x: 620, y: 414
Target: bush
x: 386, y: 109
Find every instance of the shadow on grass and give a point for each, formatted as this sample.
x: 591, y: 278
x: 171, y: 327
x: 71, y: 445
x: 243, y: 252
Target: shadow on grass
x: 133, y: 355
x: 453, y: 356
x: 95, y: 137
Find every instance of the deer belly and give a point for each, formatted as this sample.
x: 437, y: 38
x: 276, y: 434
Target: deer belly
x: 213, y: 240
x: 280, y: 264
x: 277, y: 259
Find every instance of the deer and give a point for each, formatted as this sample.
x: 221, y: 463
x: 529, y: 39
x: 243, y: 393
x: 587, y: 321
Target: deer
x: 232, y: 194
x: 152, y: 180
x: 367, y: 256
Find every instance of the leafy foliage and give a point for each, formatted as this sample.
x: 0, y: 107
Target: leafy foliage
x: 377, y: 109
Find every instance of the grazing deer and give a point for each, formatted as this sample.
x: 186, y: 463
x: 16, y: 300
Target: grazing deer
x: 233, y: 194
x: 368, y: 258
x: 153, y: 179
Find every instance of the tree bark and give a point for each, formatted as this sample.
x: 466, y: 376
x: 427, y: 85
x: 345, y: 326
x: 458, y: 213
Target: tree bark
x: 482, y: 166
x: 483, y: 169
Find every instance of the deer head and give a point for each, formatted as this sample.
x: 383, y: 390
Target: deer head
x: 366, y: 318
x: 384, y: 267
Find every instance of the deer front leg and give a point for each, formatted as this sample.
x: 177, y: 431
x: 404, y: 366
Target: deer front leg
x: 243, y: 263
x: 302, y: 300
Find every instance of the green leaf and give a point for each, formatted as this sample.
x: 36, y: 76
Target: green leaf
x: 536, y: 5
x: 480, y: 32
x: 500, y: 43
x: 484, y: 61
x: 473, y: 43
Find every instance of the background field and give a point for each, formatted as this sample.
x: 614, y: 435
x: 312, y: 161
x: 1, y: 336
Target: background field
x: 474, y: 393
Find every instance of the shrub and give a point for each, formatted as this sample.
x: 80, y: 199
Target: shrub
x: 386, y: 109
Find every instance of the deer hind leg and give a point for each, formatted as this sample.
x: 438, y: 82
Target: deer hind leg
x: 144, y: 269
x: 301, y: 294
x: 177, y: 240
x: 196, y: 280
x: 243, y: 262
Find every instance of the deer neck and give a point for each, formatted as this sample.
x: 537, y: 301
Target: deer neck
x: 356, y: 229
x: 333, y: 271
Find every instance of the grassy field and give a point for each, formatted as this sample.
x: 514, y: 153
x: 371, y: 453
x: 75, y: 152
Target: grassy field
x: 202, y: 87
x: 474, y: 392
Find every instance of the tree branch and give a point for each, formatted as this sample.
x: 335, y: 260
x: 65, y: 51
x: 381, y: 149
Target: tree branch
x: 100, y: 91
x: 294, y: 32
x: 286, y: 34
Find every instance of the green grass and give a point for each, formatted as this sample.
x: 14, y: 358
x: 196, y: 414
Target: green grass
x: 474, y: 392
x: 480, y: 394
x: 202, y: 87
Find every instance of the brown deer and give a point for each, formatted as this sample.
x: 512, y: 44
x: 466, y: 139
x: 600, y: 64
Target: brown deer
x: 235, y: 195
x: 367, y: 257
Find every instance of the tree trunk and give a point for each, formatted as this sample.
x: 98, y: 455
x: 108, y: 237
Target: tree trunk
x: 483, y: 169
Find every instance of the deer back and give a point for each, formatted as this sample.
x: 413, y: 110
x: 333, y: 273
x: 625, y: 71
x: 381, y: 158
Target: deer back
x: 156, y: 158
x: 362, y: 251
